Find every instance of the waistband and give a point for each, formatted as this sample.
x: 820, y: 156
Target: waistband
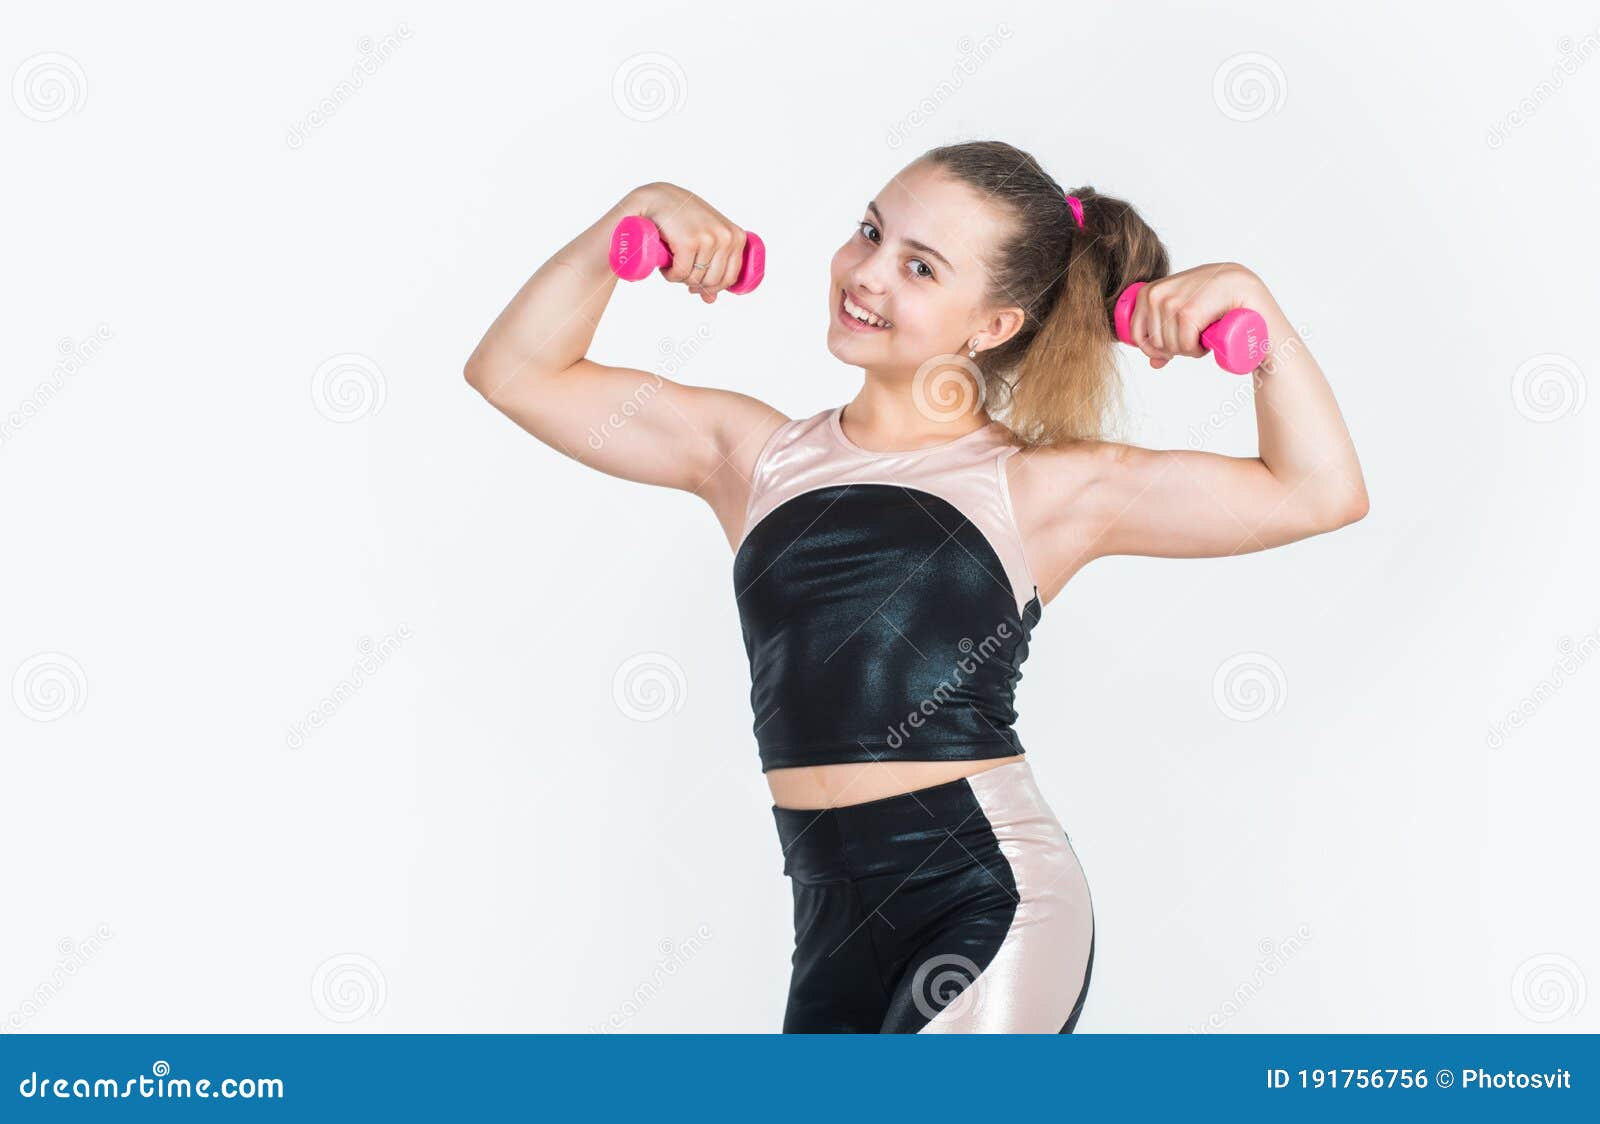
x: 921, y: 831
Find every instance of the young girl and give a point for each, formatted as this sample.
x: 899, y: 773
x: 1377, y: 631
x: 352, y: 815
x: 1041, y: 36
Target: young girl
x: 892, y: 555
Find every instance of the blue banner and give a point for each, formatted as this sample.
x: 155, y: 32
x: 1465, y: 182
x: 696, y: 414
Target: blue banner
x: 802, y: 1078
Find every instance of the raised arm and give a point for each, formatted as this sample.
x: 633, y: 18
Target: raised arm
x: 532, y: 364
x: 1084, y: 500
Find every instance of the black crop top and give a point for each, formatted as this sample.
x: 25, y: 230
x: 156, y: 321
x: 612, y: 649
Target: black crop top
x: 876, y: 596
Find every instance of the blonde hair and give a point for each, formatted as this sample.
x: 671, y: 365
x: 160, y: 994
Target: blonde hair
x: 1056, y: 379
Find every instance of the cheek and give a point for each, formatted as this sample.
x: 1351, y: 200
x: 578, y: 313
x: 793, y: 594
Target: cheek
x: 919, y: 321
x: 845, y: 258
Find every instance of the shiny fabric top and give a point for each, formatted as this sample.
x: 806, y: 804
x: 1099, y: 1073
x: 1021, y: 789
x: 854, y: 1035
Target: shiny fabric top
x: 884, y: 598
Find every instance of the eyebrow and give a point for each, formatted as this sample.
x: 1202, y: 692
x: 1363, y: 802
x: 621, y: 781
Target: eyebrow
x: 912, y: 242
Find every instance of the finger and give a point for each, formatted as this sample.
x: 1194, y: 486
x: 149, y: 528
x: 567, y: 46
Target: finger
x: 682, y: 255
x: 726, y: 271
x: 1146, y: 329
x: 732, y: 261
x: 704, y: 261
x: 1160, y: 329
x: 1186, y: 333
x: 710, y: 281
x: 695, y: 250
x: 716, y: 264
x: 1163, y: 339
x: 697, y: 274
x: 1147, y: 321
x: 1144, y: 324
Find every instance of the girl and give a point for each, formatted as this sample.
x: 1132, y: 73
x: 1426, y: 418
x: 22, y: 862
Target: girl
x: 890, y: 565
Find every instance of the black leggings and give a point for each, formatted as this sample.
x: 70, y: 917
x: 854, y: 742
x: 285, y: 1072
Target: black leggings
x: 955, y: 908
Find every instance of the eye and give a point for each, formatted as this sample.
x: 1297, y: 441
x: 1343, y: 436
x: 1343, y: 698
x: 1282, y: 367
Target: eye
x: 870, y: 233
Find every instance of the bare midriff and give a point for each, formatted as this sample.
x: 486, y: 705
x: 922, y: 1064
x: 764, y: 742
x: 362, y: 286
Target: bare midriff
x: 812, y: 787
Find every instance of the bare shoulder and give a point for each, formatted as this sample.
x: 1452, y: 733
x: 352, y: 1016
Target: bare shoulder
x: 742, y: 425
x: 1045, y: 479
x: 1054, y: 496
x: 1102, y: 498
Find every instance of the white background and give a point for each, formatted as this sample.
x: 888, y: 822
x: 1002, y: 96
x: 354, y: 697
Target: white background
x: 204, y: 539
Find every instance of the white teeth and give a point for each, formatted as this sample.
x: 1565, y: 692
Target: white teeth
x: 862, y: 314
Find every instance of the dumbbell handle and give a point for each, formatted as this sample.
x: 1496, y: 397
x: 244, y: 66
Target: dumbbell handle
x: 1238, y: 341
x: 637, y: 251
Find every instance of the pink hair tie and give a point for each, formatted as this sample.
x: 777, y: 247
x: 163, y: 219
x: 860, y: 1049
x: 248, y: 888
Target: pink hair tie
x: 1077, y: 208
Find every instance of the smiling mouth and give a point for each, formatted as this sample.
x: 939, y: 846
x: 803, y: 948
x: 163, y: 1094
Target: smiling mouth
x: 854, y: 316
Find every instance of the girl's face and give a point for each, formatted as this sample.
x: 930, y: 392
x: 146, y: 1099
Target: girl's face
x: 916, y: 264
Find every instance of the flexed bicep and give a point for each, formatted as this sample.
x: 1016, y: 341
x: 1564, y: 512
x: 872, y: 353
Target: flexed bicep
x: 1180, y: 503
x: 532, y: 364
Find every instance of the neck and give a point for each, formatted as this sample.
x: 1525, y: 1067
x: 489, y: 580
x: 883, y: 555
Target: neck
x: 902, y: 411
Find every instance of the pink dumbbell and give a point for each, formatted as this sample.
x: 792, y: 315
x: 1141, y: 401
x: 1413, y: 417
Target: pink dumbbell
x: 1238, y: 341
x: 637, y: 250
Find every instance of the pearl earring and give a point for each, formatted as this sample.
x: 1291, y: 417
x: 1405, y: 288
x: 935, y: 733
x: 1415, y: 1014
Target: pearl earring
x: 973, y: 353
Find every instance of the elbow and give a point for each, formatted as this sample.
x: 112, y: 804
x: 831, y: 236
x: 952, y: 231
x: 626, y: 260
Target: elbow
x: 481, y: 376
x: 473, y: 371
x: 1330, y: 513
x: 1355, y: 506
x: 489, y: 376
x: 1353, y: 509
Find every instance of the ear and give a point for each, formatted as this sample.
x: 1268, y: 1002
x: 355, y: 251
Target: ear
x: 999, y: 327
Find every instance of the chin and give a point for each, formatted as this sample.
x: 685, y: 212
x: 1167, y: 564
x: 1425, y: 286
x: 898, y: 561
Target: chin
x: 842, y: 354
x: 842, y: 342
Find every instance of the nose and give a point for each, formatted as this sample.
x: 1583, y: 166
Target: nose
x: 866, y: 276
x: 868, y: 270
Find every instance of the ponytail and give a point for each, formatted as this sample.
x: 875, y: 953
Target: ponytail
x: 1055, y: 380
